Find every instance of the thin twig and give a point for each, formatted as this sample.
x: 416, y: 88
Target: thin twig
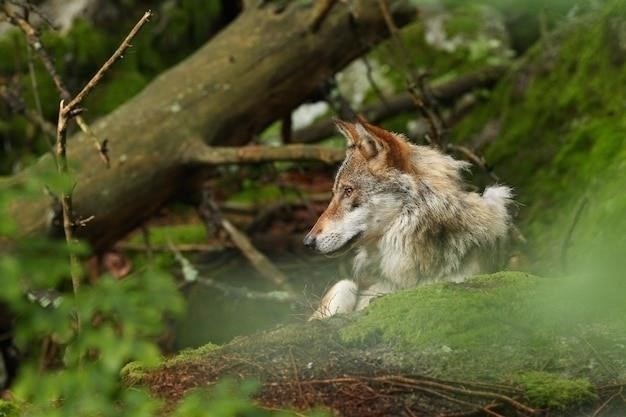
x: 145, y: 236
x: 107, y: 65
x: 296, y: 377
x: 428, y: 114
x: 602, y: 406
x: 184, y: 247
x: 448, y: 398
x: 35, y: 88
x: 67, y: 112
x: 474, y: 393
x: 61, y: 142
x: 192, y: 276
x: 248, y: 294
x: 369, y: 74
x: 421, y: 384
x: 66, y: 197
x: 211, y: 216
x: 101, y: 146
x: 320, y: 11
x: 31, y: 8
x: 35, y: 42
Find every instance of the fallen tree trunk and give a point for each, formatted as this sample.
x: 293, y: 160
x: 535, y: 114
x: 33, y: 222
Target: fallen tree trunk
x: 254, y: 72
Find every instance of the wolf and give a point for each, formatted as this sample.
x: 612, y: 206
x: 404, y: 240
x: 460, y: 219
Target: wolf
x: 410, y: 216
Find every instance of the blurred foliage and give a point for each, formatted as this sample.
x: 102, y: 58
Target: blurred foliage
x: 109, y: 322
x: 253, y: 194
x: 526, y: 20
x: 176, y: 234
x: 560, y: 142
x: 96, y: 331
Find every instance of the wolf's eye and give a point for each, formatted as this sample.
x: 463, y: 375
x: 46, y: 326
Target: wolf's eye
x: 347, y: 191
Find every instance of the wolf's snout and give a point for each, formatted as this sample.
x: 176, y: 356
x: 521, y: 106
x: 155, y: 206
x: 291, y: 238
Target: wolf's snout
x: 309, y: 240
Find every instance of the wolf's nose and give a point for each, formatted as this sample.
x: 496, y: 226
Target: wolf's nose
x: 309, y: 241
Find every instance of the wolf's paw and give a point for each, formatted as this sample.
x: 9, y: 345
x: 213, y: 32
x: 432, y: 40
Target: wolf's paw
x: 341, y: 298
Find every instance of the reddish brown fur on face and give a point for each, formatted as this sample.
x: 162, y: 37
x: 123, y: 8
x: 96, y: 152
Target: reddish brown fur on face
x: 393, y: 152
x: 331, y: 211
x: 397, y: 150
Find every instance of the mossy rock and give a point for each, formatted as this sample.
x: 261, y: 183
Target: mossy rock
x: 509, y: 330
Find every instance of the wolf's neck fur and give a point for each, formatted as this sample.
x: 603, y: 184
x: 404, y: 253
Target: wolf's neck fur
x: 441, y: 231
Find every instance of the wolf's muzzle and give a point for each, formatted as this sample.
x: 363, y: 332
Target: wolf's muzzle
x: 309, y: 241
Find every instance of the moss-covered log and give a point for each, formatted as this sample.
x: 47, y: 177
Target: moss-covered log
x: 252, y: 73
x: 509, y: 342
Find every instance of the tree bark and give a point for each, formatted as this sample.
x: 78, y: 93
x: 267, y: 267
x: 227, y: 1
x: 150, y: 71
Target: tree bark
x: 255, y: 71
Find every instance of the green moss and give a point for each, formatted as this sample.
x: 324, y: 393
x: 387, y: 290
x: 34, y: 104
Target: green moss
x: 193, y: 355
x: 493, y: 327
x: 132, y: 374
x: 547, y: 390
x: 428, y: 317
x: 9, y: 409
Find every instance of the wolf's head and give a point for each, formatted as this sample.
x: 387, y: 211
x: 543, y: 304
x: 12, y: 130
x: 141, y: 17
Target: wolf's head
x: 367, y: 191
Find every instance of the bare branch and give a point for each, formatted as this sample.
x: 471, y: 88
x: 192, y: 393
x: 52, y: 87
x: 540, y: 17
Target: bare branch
x: 211, y: 216
x: 67, y: 112
x: 229, y: 290
x: 107, y: 65
x: 202, y: 154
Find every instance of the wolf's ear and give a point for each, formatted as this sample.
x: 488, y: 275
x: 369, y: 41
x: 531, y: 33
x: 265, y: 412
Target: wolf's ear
x: 382, y: 148
x: 369, y: 144
x: 348, y: 130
